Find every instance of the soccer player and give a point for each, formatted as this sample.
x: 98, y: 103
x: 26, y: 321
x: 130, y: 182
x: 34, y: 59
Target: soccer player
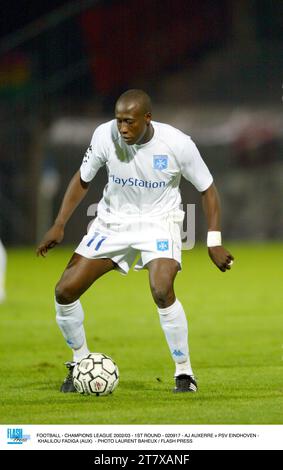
x: 138, y: 213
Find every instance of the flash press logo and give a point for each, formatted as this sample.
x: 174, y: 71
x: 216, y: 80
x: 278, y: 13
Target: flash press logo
x: 16, y: 436
x: 187, y: 229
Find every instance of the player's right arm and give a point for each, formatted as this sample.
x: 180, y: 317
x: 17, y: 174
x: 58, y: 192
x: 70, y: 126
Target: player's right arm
x: 74, y: 194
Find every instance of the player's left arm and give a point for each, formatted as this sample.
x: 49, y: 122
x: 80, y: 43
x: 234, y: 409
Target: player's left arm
x: 211, y: 207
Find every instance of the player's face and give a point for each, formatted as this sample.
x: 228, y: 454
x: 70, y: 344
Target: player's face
x: 132, y: 123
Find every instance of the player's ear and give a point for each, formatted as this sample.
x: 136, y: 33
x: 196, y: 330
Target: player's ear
x: 147, y: 118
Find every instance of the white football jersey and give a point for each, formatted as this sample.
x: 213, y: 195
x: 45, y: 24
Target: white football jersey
x: 143, y: 180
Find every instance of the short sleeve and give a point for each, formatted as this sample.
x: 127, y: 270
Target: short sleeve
x: 94, y: 158
x: 193, y: 168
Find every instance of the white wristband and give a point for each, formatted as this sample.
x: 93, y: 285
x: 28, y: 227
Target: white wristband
x: 214, y: 239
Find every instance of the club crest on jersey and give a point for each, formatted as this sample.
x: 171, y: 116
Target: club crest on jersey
x: 160, y: 162
x: 162, y: 245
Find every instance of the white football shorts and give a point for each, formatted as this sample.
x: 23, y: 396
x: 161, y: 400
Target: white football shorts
x: 123, y: 242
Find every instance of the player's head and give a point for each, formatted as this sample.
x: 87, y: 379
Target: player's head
x: 133, y: 114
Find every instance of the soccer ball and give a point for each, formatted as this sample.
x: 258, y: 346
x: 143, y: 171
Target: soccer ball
x: 96, y: 374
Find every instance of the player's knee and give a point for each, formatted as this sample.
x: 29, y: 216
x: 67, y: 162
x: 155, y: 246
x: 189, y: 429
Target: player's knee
x: 64, y: 294
x: 163, y: 295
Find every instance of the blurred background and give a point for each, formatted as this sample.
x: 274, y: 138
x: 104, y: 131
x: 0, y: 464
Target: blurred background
x: 213, y: 69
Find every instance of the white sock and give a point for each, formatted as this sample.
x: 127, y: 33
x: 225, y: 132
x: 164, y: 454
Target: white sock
x: 3, y: 262
x: 80, y: 353
x: 70, y: 321
x: 175, y: 326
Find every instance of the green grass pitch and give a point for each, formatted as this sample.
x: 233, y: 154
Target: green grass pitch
x: 236, y: 343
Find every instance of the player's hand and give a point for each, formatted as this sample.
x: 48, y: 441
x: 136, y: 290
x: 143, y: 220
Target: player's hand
x: 54, y: 236
x: 221, y: 257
